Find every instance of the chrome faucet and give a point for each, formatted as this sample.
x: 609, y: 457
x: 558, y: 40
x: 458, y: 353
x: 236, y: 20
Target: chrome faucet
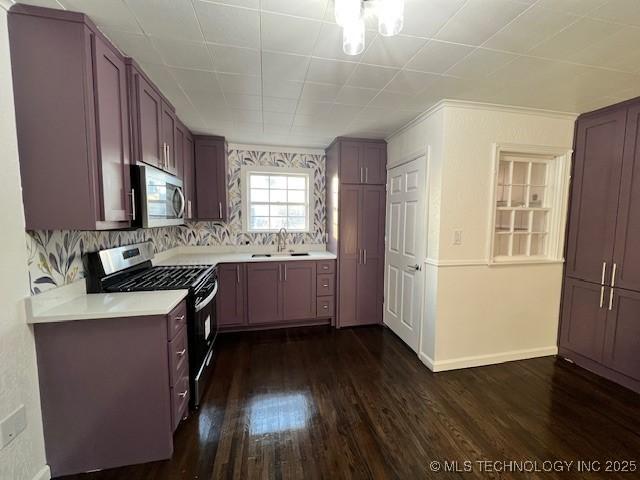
x: 282, y: 239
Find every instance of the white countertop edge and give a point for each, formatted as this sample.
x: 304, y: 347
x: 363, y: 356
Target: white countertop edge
x: 101, y: 306
x: 215, y: 258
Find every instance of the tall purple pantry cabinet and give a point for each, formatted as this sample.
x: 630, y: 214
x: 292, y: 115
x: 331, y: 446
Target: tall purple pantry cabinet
x: 72, y: 121
x: 356, y: 178
x: 600, y: 327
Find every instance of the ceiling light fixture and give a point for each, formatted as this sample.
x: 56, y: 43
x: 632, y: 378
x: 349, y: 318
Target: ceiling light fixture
x: 350, y: 15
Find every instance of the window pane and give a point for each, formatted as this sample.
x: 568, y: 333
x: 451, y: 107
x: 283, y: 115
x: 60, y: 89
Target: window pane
x: 520, y: 170
x: 259, y: 210
x: 297, y: 223
x: 538, y: 174
x: 259, y: 223
x: 278, y: 223
x: 297, y: 210
x: 278, y: 211
x: 278, y: 182
x: 297, y: 196
x: 278, y: 196
x: 259, y: 195
x: 259, y: 181
x: 297, y: 183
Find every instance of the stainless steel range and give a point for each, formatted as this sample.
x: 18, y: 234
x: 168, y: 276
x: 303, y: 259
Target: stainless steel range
x: 129, y: 269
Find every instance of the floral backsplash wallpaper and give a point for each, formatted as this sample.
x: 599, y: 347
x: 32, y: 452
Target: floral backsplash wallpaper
x: 55, y: 257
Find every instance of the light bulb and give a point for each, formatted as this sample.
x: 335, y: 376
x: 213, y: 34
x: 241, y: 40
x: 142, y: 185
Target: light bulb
x: 348, y: 11
x: 353, y: 37
x: 390, y: 17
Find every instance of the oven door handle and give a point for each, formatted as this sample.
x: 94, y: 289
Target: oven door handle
x: 207, y: 300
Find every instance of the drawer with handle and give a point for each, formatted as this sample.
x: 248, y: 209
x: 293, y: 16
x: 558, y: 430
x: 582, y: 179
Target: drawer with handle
x: 324, y: 307
x: 179, y: 400
x: 325, y: 284
x: 177, y: 319
x: 326, y: 266
x: 178, y: 357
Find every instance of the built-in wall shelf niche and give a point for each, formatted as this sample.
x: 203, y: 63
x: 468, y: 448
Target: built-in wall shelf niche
x: 528, y: 204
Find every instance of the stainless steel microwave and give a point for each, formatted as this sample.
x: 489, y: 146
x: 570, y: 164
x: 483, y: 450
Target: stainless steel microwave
x: 160, y: 198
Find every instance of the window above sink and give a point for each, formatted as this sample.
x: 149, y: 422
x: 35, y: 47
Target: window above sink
x: 275, y: 198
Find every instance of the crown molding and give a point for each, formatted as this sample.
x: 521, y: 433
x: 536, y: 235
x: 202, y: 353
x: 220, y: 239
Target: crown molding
x: 274, y: 148
x: 493, y: 107
x: 6, y: 4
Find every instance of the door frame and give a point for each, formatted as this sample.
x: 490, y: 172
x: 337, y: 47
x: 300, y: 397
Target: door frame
x: 415, y: 155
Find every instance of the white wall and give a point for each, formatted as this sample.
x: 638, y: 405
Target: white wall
x: 476, y: 314
x: 24, y: 458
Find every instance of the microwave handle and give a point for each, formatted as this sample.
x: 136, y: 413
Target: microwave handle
x: 183, y: 202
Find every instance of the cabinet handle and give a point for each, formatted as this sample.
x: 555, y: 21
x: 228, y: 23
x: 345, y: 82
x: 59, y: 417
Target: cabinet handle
x: 183, y: 394
x: 604, y: 272
x: 601, y: 296
x: 361, y: 181
x: 220, y: 209
x: 611, y: 300
x: 133, y: 203
x: 180, y: 318
x: 326, y: 285
x: 189, y: 208
x: 181, y: 352
x: 366, y: 175
x: 238, y: 274
x: 326, y: 307
x: 613, y: 275
x: 364, y: 256
x: 285, y: 272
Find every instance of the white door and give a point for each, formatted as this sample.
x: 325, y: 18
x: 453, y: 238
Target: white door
x: 406, y: 247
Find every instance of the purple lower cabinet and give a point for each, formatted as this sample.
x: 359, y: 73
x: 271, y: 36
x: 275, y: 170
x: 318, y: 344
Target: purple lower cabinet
x: 106, y: 392
x: 299, y: 292
x: 231, y: 298
x: 264, y: 293
x: 622, y: 339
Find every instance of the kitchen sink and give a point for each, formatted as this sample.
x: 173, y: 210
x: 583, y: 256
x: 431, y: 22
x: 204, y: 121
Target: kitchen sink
x: 283, y: 254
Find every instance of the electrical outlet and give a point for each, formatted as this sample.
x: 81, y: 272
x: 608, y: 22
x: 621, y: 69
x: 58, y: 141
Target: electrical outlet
x: 457, y: 237
x: 12, y: 426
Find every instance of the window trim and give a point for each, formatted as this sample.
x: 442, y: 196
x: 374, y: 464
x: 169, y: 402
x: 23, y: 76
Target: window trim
x: 559, y: 181
x: 246, y: 170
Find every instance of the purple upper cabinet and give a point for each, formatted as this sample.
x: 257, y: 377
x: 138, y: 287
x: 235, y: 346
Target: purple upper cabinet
x: 169, y: 126
x: 594, y: 198
x: 211, y: 177
x: 362, y: 161
x: 299, y: 292
x: 188, y: 176
x: 71, y: 118
x: 626, y: 255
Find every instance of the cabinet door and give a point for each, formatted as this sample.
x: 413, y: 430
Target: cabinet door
x: 179, y: 149
x: 594, y: 198
x: 188, y: 171
x: 626, y: 254
x: 374, y: 163
x: 231, y: 299
x: 149, y: 113
x: 299, y: 290
x: 622, y: 345
x: 371, y: 267
x: 168, y: 124
x: 584, y: 314
x: 350, y: 162
x: 112, y: 132
x: 349, y: 253
x: 211, y: 182
x: 264, y: 292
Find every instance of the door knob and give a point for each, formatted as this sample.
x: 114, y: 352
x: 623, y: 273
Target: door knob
x: 416, y: 267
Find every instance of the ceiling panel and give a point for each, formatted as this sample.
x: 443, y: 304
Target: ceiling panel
x: 273, y: 71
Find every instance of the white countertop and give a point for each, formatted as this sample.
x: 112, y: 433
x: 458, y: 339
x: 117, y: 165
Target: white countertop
x: 73, y: 303
x: 214, y: 258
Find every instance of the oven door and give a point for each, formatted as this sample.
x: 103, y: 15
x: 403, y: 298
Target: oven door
x: 202, y: 334
x: 162, y: 199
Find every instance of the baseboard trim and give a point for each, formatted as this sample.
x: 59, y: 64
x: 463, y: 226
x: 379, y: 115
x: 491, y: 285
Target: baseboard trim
x: 482, y: 360
x: 43, y: 474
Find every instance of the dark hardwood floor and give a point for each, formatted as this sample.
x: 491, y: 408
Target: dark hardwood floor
x: 357, y: 403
